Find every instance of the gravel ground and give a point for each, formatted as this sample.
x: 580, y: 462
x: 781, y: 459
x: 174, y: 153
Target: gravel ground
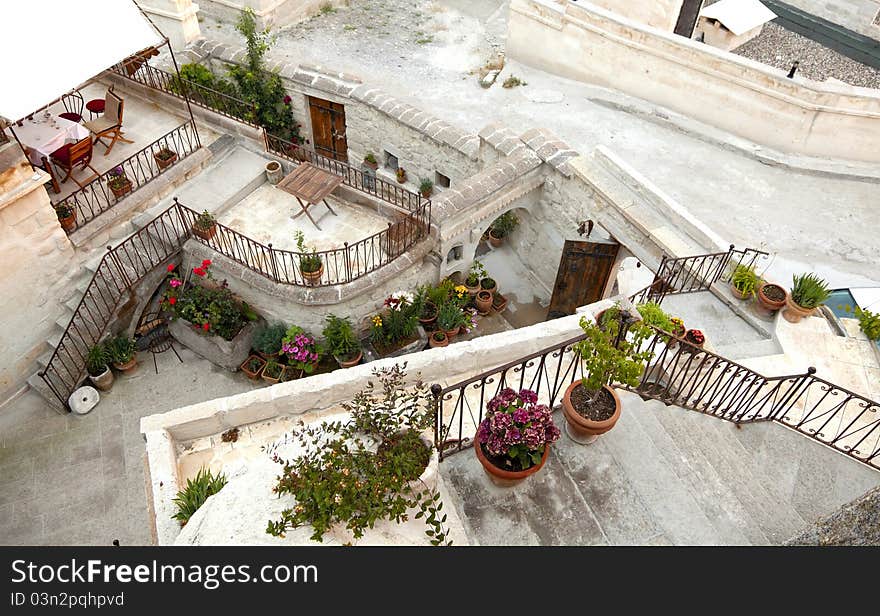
x: 779, y: 47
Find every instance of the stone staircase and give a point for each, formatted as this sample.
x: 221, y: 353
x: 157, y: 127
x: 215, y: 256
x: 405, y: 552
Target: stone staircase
x: 663, y: 475
x: 233, y: 174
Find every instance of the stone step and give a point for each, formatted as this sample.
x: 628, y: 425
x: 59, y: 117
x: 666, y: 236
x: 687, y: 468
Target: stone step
x: 775, y: 516
x: 666, y: 496
x: 36, y: 383
x: 718, y: 501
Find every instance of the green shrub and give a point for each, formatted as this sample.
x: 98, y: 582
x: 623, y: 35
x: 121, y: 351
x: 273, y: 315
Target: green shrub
x: 745, y: 280
x: 341, y: 479
x: 340, y: 338
x: 267, y: 339
x: 121, y: 349
x: 809, y: 291
x: 505, y: 224
x: 869, y: 322
x: 97, y: 359
x: 653, y: 314
x: 196, y: 493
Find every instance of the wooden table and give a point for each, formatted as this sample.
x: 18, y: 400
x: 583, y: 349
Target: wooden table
x: 310, y: 185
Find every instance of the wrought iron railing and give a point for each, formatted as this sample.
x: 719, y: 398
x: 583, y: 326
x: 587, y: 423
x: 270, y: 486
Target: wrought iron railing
x: 203, y: 96
x: 338, y: 265
x: 695, y: 273
x: 120, y: 269
x: 141, y: 168
x: 351, y: 176
x: 678, y: 374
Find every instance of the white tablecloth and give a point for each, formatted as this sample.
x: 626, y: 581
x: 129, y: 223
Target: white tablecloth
x: 41, y: 136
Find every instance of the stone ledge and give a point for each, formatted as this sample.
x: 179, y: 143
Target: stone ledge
x: 856, y: 523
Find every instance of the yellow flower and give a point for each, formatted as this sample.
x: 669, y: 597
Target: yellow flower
x: 460, y: 289
x: 377, y: 321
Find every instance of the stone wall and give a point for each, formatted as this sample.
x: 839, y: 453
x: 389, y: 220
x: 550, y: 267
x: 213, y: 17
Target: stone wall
x: 584, y: 42
x: 375, y: 121
x: 37, y: 262
x: 308, y: 306
x: 660, y: 14
x: 269, y: 13
x: 176, y: 19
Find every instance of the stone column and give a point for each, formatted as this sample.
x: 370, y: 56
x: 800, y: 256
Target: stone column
x: 177, y: 19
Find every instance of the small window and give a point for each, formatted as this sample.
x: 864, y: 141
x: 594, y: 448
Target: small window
x: 455, y: 254
x: 391, y: 161
x: 441, y: 180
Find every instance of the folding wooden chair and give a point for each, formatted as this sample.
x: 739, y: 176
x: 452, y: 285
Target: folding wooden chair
x: 70, y: 155
x: 110, y: 124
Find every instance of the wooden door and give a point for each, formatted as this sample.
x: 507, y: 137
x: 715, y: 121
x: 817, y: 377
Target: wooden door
x: 584, y: 270
x: 687, y: 17
x: 328, y: 128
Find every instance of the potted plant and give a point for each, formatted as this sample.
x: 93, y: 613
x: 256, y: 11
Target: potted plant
x: 428, y: 312
x: 267, y: 340
x: 501, y: 227
x: 310, y: 264
x: 274, y: 172
x: 205, y: 225
x: 272, y: 371
x: 678, y: 331
x: 499, y: 302
x: 342, y: 342
x: 483, y: 301
x: 771, y: 297
x: 253, y: 366
x: 438, y: 339
x: 590, y: 405
x: 475, y: 274
x: 119, y: 184
x: 401, y: 175
x: 694, y: 337
x: 379, y: 465
x: 370, y: 161
x: 808, y: 291
x: 98, y: 366
x: 744, y: 281
x: 66, y: 216
x: 301, y: 350
x: 123, y: 353
x: 426, y: 187
x: 869, y: 322
x: 514, y: 439
x: 488, y: 284
x: 396, y: 329
x: 449, y: 319
x: 165, y: 158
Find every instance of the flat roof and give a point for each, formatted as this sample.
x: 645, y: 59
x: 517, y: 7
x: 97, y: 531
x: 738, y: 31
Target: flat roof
x: 739, y: 16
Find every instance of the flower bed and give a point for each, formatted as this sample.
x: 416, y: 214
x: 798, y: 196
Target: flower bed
x: 208, y: 318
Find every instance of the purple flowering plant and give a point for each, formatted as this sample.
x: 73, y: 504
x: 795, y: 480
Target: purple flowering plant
x: 301, y: 349
x: 517, y: 429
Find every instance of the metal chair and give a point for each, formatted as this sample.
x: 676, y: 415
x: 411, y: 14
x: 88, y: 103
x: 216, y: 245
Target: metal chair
x: 152, y: 335
x: 73, y: 107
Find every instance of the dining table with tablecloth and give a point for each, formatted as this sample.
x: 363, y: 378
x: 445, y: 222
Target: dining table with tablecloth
x: 43, y: 134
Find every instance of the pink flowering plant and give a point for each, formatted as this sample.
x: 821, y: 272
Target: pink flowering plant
x: 516, y: 430
x: 301, y: 349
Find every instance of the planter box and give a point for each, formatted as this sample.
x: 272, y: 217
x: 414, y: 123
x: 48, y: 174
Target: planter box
x: 229, y: 354
x: 416, y: 345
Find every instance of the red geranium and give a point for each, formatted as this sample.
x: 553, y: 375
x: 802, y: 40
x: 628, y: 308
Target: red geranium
x: 695, y: 336
x: 206, y: 326
x: 206, y: 263
x: 171, y: 267
x: 199, y: 271
x: 172, y: 300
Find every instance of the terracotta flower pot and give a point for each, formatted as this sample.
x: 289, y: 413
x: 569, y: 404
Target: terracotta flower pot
x: 485, y: 285
x: 585, y: 430
x: 793, y: 312
x: 253, y: 373
x: 348, y: 363
x: 313, y: 279
x: 499, y: 302
x: 269, y: 379
x: 430, y: 319
x: 494, y: 240
x: 166, y: 162
x: 434, y: 343
x: 68, y: 223
x: 737, y: 293
x: 483, y: 300
x: 768, y: 304
x: 472, y: 290
x: 373, y: 166
x: 205, y: 234
x: 128, y: 366
x: 502, y: 477
x: 122, y: 190
x: 452, y: 333
x: 103, y: 381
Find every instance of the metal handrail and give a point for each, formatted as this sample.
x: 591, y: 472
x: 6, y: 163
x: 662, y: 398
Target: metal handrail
x: 140, y: 168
